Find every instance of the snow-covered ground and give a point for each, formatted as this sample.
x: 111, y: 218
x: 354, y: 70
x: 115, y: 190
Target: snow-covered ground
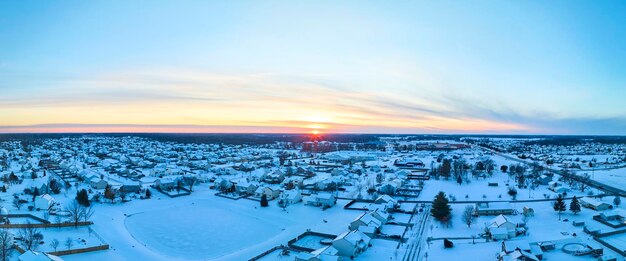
x: 203, y: 226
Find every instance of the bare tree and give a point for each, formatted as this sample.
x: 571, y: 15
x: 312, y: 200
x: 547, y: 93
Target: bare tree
x: 58, y: 219
x: 87, y: 213
x: 584, y: 181
x: 468, y: 215
x: 189, y: 181
x: 76, y: 212
x: 69, y: 243
x: 54, y: 244
x: 17, y: 203
x: 30, y: 235
x: 6, y: 239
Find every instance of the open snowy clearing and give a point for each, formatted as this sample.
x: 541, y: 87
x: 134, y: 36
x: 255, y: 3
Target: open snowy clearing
x: 200, y: 231
x: 205, y: 227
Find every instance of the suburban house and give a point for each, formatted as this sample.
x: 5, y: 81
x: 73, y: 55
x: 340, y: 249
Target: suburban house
x: 267, y: 191
x: 44, y: 202
x: 493, y: 209
x: 594, y: 204
x: 324, y: 200
x: 98, y: 183
x: 327, y: 253
x: 351, y: 243
x: 520, y: 250
x: 291, y: 196
x: 37, y: 256
x: 501, y: 228
x: 130, y: 187
x: 365, y: 219
x: 388, y: 188
x: 245, y: 188
x: 560, y: 189
x: 545, y: 179
x: 386, y: 200
x: 166, y: 183
x: 616, y: 217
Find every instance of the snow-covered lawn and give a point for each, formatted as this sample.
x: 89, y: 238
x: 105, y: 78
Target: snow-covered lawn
x: 81, y: 237
x: 200, y: 230
x: 615, y: 177
x: 203, y: 226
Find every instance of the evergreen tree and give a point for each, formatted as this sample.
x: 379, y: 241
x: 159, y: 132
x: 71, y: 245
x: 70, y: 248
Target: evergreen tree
x: 148, y: 193
x: 574, y: 206
x: 521, y: 180
x: 617, y: 201
x: 35, y: 193
x: 264, y: 201
x: 109, y: 193
x: 459, y: 179
x: 559, y: 205
x: 446, y: 168
x: 82, y: 197
x: 441, y: 210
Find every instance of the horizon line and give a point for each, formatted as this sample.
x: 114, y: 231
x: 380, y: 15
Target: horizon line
x: 78, y: 128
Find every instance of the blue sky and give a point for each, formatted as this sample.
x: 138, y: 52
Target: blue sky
x: 528, y: 67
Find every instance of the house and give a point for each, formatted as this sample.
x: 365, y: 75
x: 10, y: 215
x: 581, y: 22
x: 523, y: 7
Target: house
x: 520, y: 250
x: 380, y: 215
x: 267, y: 191
x: 324, y: 200
x: 245, y: 188
x: 560, y: 189
x: 37, y: 256
x: 44, y: 202
x: 617, y: 217
x: 365, y: 219
x: 545, y: 179
x: 40, y: 185
x: 275, y: 177
x: 501, y: 228
x: 351, y: 244
x: 327, y: 253
x: 98, y: 183
x: 291, y: 196
x: 594, y: 204
x: 388, y: 188
x: 493, y: 209
x: 518, y: 255
x: 499, y: 233
x: 130, y: 187
x: 386, y: 199
x: 166, y: 183
x: 388, y: 203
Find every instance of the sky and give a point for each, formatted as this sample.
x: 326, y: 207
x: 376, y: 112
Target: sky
x: 489, y: 67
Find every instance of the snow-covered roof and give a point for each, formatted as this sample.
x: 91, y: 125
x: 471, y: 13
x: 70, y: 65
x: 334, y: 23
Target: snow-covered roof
x: 37, y: 256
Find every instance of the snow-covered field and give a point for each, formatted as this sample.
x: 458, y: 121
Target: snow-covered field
x: 200, y: 231
x: 203, y: 226
x: 613, y: 177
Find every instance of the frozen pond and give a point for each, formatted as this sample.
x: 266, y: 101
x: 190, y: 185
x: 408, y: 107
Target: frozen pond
x: 199, y: 232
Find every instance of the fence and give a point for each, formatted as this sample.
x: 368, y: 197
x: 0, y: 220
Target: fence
x: 601, y: 220
x: 291, y: 242
x: 26, y: 216
x: 46, y: 225
x: 267, y: 253
x: 606, y: 244
x: 185, y: 193
x: 79, y: 250
x: 349, y: 205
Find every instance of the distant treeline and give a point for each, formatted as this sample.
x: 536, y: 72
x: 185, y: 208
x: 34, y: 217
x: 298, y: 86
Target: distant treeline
x: 574, y: 140
x: 250, y: 138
